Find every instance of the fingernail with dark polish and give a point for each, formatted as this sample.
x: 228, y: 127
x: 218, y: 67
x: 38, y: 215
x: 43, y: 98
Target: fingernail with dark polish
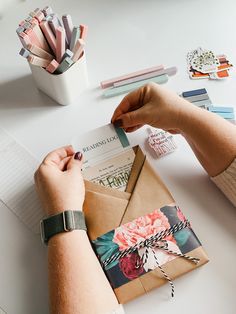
x: 118, y: 123
x: 78, y: 156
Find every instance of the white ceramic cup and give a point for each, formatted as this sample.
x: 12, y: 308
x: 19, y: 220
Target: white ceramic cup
x: 64, y: 88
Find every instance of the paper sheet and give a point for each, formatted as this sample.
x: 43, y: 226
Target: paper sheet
x: 17, y: 190
x: 101, y: 144
x: 114, y: 172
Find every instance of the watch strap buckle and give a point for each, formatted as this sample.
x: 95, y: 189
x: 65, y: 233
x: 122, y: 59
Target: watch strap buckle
x: 68, y: 220
x: 42, y: 232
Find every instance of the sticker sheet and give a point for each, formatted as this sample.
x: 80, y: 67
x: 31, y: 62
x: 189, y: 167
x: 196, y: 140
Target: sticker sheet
x: 204, y: 63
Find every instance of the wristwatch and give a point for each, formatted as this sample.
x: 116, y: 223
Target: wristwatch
x: 66, y: 221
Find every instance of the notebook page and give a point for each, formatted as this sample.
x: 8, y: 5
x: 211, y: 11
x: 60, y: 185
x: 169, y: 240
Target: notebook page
x: 17, y: 189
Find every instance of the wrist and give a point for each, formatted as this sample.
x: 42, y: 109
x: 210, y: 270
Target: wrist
x: 67, y: 238
x: 60, y: 209
x: 187, y: 118
x: 64, y: 222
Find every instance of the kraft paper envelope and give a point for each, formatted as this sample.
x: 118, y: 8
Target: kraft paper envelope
x: 105, y: 209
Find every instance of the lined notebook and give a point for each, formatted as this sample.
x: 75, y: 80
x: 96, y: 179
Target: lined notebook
x: 17, y: 167
x: 17, y: 191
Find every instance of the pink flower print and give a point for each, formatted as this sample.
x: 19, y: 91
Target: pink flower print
x: 140, y: 229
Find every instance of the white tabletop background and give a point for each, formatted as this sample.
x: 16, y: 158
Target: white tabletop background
x: 124, y: 36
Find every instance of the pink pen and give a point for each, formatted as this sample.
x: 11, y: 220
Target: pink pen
x: 49, y: 35
x: 24, y: 38
x: 40, y: 52
x: 78, y: 49
x: 38, y: 61
x: 110, y: 82
x: 33, y: 37
x: 168, y: 71
x: 60, y: 43
x: 68, y: 25
x: 22, y: 23
x: 54, y: 24
x: 39, y: 16
x: 34, y: 21
x: 38, y: 32
x: 53, y: 65
x: 83, y: 31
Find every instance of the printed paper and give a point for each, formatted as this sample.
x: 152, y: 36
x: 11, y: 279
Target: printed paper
x: 101, y: 144
x: 113, y: 173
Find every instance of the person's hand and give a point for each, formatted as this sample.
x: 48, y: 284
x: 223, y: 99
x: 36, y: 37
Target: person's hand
x: 154, y: 105
x: 59, y: 181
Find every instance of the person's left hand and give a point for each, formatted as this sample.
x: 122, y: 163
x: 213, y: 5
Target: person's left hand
x: 59, y: 181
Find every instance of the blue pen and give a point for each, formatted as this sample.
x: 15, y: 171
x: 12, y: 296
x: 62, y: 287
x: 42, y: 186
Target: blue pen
x: 226, y: 115
x: 220, y: 109
x: 194, y: 92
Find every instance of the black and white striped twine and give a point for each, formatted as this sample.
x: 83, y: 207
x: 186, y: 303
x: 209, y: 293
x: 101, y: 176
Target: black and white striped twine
x: 152, y: 242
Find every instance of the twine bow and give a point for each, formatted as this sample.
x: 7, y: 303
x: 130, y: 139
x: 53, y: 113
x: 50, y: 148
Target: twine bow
x: 155, y: 241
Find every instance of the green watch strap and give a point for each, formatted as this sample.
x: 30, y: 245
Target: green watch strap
x: 68, y: 220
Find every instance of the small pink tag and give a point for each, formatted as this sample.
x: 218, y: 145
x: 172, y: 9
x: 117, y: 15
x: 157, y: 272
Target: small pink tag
x: 161, y: 142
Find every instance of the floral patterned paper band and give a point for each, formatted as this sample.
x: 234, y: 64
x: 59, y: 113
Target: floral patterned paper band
x: 148, y: 242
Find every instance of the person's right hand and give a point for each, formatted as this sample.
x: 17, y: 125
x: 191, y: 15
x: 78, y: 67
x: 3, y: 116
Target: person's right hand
x: 153, y: 105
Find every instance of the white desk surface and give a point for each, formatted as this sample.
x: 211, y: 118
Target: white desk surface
x: 123, y: 36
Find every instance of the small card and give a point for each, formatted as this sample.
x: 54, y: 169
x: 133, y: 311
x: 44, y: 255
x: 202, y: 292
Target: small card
x: 114, y: 172
x: 161, y: 142
x: 101, y: 144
